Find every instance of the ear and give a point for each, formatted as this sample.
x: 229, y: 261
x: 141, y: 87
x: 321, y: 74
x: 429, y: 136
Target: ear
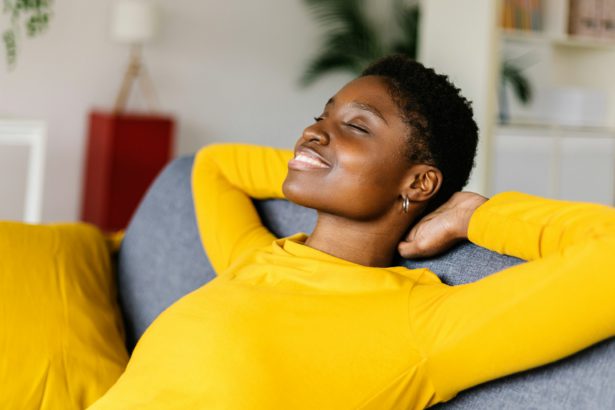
x: 422, y: 183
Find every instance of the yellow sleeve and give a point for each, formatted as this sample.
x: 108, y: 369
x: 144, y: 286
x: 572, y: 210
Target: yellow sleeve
x: 224, y: 177
x: 528, y: 315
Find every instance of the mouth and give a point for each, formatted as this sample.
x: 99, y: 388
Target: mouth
x: 307, y: 159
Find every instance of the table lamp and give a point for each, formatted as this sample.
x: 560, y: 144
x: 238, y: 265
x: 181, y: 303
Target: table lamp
x: 126, y: 151
x: 134, y: 22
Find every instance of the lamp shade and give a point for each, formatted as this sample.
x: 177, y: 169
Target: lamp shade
x: 133, y: 21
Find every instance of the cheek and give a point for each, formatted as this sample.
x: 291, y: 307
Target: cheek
x: 378, y: 175
x: 370, y: 189
x: 355, y: 190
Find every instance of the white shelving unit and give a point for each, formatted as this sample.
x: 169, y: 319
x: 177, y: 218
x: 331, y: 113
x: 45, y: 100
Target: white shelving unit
x: 535, y: 154
x: 557, y: 155
x: 573, y: 163
x: 556, y: 40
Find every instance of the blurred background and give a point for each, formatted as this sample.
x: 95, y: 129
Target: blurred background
x: 79, y: 79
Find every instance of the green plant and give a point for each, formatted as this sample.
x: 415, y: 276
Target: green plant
x: 512, y: 74
x: 33, y: 14
x: 351, y: 41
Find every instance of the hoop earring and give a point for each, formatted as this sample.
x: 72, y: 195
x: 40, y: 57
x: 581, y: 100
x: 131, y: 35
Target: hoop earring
x: 405, y: 204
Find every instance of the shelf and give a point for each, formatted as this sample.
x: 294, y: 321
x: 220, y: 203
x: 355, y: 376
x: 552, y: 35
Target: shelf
x: 541, y: 38
x: 525, y: 36
x: 584, y: 42
x: 604, y: 131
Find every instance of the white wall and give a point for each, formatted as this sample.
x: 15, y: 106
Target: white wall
x: 228, y: 70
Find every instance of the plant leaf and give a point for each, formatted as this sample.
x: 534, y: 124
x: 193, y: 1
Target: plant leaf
x: 520, y: 85
x: 408, y: 17
x: 10, y: 45
x: 350, y: 41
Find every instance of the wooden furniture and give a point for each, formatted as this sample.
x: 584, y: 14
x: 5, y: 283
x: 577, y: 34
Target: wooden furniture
x: 125, y: 153
x: 33, y: 135
x: 136, y: 71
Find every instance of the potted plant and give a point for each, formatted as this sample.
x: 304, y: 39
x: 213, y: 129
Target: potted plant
x: 512, y: 75
x: 351, y: 41
x: 33, y: 15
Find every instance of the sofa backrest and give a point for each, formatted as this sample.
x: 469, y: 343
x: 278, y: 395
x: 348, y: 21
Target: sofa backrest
x: 161, y: 260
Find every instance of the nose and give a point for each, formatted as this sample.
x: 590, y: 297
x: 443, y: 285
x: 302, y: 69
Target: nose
x: 316, y: 133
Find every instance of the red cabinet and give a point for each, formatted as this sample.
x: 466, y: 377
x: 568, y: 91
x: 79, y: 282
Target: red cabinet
x: 125, y: 152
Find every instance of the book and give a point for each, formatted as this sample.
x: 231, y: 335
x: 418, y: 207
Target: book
x: 608, y: 19
x: 507, y: 15
x: 584, y: 18
x: 522, y: 15
x: 536, y: 15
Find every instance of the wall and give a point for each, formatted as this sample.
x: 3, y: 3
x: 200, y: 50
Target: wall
x: 227, y: 71
x: 469, y: 56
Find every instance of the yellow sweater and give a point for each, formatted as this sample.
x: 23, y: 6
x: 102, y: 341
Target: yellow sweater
x: 284, y: 326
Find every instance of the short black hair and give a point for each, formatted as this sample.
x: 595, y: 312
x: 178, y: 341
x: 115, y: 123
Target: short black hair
x: 443, y: 132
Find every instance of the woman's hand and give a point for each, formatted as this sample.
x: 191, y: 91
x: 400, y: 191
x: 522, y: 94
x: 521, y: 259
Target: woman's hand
x: 442, y: 228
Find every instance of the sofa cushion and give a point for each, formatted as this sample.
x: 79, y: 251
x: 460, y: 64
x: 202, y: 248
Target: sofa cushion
x: 61, y: 335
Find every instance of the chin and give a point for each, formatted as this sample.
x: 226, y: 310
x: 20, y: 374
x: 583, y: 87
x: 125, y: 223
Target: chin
x: 295, y: 192
x: 321, y: 196
x: 306, y: 194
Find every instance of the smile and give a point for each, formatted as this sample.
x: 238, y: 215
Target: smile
x: 305, y: 160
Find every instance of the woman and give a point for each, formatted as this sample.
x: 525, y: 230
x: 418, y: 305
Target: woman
x: 324, y: 321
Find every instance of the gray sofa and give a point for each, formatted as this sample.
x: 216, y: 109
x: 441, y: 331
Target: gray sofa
x: 161, y: 260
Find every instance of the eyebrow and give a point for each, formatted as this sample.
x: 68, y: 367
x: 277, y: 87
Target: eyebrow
x: 361, y: 106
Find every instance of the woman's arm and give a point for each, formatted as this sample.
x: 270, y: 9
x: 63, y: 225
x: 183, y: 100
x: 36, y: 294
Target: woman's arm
x: 527, y: 315
x: 224, y: 177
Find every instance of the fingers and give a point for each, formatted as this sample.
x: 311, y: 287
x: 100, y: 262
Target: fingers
x: 408, y: 250
x: 414, y: 249
x: 419, y: 225
x: 415, y: 245
x: 424, y: 249
x: 441, y: 229
x: 411, y: 235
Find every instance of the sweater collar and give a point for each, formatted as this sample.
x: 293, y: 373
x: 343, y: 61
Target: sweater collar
x: 295, y: 246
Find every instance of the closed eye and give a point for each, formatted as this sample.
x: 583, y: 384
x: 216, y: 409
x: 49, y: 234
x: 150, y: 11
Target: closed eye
x: 357, y: 127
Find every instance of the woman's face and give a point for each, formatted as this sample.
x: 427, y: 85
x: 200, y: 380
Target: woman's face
x: 351, y: 162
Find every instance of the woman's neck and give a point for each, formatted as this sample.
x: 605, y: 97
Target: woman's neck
x: 372, y: 243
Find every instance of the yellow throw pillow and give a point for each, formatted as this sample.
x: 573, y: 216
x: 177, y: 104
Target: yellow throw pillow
x: 61, y: 334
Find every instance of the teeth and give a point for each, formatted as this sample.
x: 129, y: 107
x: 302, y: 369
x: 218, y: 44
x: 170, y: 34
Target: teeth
x: 310, y: 160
